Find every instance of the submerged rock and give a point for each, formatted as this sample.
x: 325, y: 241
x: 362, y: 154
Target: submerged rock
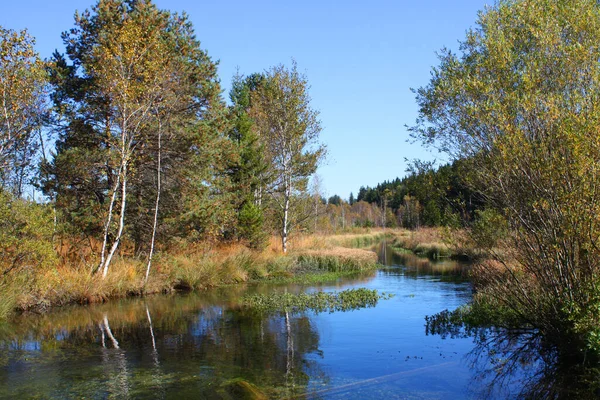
x: 240, y: 389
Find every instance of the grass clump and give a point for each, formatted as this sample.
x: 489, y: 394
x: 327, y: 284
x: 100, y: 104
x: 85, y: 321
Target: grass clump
x: 357, y: 240
x: 433, y: 243
x: 338, y: 260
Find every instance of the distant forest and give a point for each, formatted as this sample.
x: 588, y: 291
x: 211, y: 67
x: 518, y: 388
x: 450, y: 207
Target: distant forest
x: 426, y: 196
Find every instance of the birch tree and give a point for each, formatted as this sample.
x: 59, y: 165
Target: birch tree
x: 22, y: 105
x: 289, y: 128
x: 140, y: 98
x: 129, y: 69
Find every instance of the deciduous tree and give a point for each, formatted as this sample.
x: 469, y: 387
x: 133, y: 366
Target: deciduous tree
x: 22, y: 107
x: 520, y: 101
x: 289, y: 128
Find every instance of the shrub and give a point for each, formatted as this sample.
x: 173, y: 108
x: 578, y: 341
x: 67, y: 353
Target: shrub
x: 26, y: 230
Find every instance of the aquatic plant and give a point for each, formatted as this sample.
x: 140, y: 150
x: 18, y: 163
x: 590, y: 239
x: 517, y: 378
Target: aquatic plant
x: 347, y: 300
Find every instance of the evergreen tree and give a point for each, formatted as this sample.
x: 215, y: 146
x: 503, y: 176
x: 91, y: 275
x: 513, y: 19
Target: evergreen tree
x: 249, y: 165
x: 139, y: 90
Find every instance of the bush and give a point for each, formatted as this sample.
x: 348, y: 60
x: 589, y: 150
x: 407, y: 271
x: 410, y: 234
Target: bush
x: 488, y: 229
x: 26, y: 230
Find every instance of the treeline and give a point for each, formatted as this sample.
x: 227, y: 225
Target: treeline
x: 129, y: 147
x: 426, y: 196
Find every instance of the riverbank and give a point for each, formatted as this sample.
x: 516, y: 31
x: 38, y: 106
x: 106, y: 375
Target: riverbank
x: 435, y: 243
x: 312, y: 259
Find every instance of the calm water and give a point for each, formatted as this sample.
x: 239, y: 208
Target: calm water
x: 205, y: 346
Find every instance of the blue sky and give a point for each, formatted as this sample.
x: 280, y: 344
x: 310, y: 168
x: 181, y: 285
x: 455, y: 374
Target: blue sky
x: 361, y: 59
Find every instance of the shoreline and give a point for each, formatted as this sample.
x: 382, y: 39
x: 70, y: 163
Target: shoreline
x: 314, y: 259
x: 317, y: 259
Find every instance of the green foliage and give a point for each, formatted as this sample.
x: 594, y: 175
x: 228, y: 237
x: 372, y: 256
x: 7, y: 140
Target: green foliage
x: 334, y: 263
x: 246, y: 170
x: 335, y: 199
x: 26, y: 231
x: 520, y: 103
x: 22, y: 95
x: 347, y: 300
x: 110, y: 118
x: 427, y: 195
x: 432, y: 215
x: 489, y: 228
x: 289, y: 129
x: 251, y: 226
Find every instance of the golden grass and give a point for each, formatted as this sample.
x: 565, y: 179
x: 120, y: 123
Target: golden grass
x: 343, y: 253
x: 191, y: 267
x: 430, y: 242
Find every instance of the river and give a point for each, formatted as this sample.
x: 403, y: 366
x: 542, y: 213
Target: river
x: 203, y: 345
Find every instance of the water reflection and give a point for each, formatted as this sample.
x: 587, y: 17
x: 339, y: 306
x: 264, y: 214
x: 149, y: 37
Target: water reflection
x: 186, y: 346
x: 445, y: 269
x: 520, y: 365
x: 206, y: 346
x: 511, y: 363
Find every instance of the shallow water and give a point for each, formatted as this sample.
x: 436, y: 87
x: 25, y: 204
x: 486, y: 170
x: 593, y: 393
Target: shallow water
x: 205, y: 346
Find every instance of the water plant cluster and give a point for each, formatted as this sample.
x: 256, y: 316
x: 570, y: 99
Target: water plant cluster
x: 318, y: 302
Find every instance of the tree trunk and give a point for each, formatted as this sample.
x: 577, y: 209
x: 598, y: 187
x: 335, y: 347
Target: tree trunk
x: 111, y: 205
x: 316, y: 212
x: 121, y: 222
x: 284, y: 228
x: 158, y: 189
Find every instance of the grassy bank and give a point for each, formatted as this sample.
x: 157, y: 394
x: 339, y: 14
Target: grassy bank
x: 312, y: 259
x: 434, y: 243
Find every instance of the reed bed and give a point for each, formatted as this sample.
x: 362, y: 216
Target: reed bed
x: 192, y: 267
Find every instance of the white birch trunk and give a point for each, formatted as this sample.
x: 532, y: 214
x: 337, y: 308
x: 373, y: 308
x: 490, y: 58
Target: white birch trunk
x: 284, y: 229
x: 121, y: 222
x: 111, y: 205
x: 158, y: 189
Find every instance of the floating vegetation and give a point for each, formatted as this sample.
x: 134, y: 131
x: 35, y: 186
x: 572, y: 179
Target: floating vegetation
x: 347, y: 300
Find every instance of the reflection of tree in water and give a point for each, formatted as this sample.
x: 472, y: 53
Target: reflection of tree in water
x: 148, y: 350
x: 114, y: 362
x: 511, y: 363
x: 269, y: 352
x: 446, y: 269
x: 415, y: 266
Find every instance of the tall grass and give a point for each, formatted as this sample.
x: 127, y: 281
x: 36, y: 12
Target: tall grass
x: 191, y: 267
x: 426, y: 242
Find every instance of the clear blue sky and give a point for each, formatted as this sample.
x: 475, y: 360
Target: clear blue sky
x: 360, y: 57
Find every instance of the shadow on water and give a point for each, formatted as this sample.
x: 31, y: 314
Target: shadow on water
x: 504, y: 363
x: 518, y: 364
